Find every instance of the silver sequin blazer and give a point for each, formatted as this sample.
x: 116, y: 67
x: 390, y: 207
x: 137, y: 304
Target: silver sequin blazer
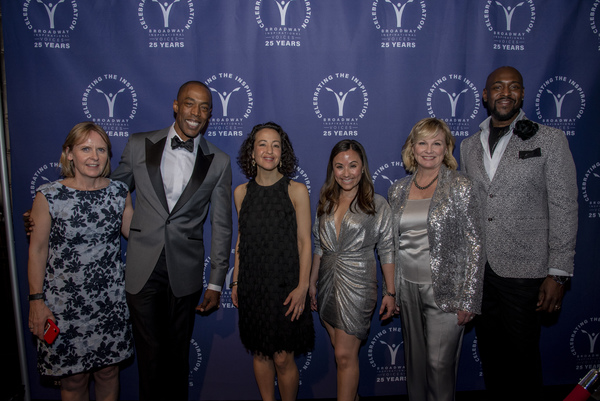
x: 455, y: 242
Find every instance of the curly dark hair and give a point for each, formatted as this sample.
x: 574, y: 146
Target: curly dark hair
x: 288, y: 163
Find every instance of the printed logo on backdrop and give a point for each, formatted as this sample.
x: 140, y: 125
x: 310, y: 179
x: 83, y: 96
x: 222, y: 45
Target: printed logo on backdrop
x: 233, y: 102
x: 560, y: 103
x: 595, y: 21
x: 282, y: 21
x: 399, y: 22
x: 195, y: 363
x: 44, y: 174
x: 166, y: 21
x: 51, y: 22
x: 386, y: 356
x: 584, y: 344
x: 386, y: 175
x: 302, y: 176
x: 456, y: 100
x: 509, y: 21
x: 340, y: 101
x: 590, y: 190
x: 226, y: 302
x: 110, y: 101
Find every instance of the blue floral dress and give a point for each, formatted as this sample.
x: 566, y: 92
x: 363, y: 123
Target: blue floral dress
x: 84, y: 283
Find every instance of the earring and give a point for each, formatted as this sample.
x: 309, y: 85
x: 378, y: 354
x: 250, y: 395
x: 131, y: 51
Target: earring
x: 253, y: 162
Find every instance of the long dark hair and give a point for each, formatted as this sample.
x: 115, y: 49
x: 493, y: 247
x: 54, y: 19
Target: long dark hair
x: 289, y: 161
x: 330, y: 192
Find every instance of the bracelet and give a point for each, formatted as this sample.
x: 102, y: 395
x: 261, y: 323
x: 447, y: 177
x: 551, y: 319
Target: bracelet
x: 386, y: 293
x: 233, y: 284
x: 35, y: 297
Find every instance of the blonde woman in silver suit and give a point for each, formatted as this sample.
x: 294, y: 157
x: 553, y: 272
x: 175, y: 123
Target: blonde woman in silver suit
x: 439, y: 259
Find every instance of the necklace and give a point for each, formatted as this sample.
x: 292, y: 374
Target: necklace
x: 426, y: 186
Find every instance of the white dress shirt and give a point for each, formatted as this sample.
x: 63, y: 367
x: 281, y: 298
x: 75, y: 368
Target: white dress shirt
x: 491, y: 162
x: 176, y: 168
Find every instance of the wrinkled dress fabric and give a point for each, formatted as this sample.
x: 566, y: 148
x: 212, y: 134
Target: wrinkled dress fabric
x: 347, y: 286
x: 269, y: 269
x: 84, y: 283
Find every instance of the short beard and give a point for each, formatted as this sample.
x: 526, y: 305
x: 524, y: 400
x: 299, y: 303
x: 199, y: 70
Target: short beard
x: 504, y: 117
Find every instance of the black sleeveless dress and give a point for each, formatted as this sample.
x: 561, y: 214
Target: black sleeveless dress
x: 268, y: 271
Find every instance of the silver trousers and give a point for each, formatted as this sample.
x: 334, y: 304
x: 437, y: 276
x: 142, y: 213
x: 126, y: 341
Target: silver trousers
x: 432, y: 344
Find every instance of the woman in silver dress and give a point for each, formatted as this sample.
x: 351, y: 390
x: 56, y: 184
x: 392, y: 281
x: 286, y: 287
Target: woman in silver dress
x: 439, y: 259
x: 352, y: 221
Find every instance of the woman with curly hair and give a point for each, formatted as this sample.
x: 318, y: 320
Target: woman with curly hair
x: 352, y: 222
x: 272, y: 261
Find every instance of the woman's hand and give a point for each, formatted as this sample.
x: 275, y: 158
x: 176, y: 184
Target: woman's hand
x: 296, y: 300
x: 28, y: 222
x: 39, y: 313
x: 234, y: 297
x: 464, y: 317
x: 312, y: 290
x: 388, y: 307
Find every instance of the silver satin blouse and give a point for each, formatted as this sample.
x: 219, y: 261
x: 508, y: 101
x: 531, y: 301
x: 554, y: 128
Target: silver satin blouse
x: 413, y: 247
x: 347, y: 286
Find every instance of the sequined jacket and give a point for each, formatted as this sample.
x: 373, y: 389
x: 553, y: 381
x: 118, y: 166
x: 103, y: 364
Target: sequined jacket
x: 529, y: 209
x: 455, y: 240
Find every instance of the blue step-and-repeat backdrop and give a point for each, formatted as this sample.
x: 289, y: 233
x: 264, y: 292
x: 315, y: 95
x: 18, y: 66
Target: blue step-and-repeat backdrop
x: 325, y: 70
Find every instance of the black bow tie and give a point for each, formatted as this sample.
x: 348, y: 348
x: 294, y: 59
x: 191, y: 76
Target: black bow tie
x: 178, y: 143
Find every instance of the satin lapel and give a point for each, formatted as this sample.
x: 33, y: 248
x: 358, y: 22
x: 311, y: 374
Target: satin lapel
x: 154, y: 153
x: 198, y: 175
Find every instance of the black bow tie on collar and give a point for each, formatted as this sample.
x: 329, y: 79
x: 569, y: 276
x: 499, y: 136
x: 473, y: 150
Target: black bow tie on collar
x: 178, y: 143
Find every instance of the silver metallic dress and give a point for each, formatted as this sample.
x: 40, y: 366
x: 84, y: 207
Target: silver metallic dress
x: 347, y: 286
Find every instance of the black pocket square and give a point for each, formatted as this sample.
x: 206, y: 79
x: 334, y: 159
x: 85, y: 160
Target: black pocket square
x: 526, y: 154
